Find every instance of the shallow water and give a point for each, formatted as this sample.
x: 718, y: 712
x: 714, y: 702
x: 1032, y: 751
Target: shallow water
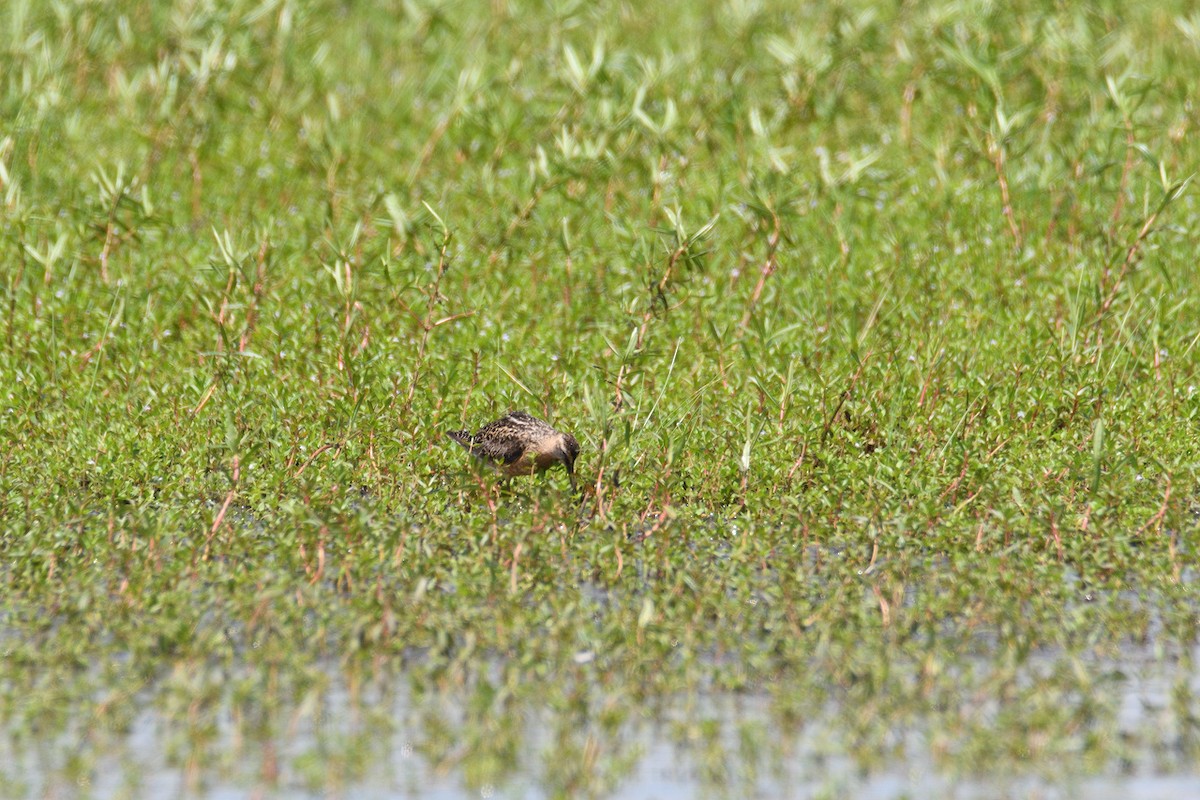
x: 388, y: 727
x: 365, y: 744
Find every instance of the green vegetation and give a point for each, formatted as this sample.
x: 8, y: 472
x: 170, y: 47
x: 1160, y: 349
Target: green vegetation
x: 877, y: 324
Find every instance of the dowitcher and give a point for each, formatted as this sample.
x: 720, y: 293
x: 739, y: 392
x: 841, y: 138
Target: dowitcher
x: 520, y: 444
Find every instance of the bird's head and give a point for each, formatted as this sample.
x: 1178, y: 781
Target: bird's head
x: 568, y: 451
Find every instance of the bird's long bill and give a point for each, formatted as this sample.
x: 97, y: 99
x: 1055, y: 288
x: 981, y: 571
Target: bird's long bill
x: 570, y: 465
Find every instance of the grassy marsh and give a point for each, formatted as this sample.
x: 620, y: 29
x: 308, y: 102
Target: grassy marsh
x: 877, y: 326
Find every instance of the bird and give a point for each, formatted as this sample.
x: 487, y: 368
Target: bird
x: 520, y: 444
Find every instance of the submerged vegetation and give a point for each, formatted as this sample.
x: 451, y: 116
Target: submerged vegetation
x: 876, y: 324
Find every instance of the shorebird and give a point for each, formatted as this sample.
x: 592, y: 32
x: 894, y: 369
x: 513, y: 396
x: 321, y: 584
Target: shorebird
x: 520, y: 444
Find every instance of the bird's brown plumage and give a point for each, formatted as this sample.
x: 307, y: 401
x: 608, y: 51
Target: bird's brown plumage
x: 520, y: 444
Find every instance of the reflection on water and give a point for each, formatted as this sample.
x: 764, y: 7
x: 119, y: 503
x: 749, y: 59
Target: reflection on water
x: 373, y: 739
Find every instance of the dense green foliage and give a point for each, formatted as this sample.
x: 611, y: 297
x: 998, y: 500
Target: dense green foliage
x: 877, y: 324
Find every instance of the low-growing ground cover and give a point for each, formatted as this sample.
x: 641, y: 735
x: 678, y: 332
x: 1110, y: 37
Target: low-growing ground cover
x: 877, y: 326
